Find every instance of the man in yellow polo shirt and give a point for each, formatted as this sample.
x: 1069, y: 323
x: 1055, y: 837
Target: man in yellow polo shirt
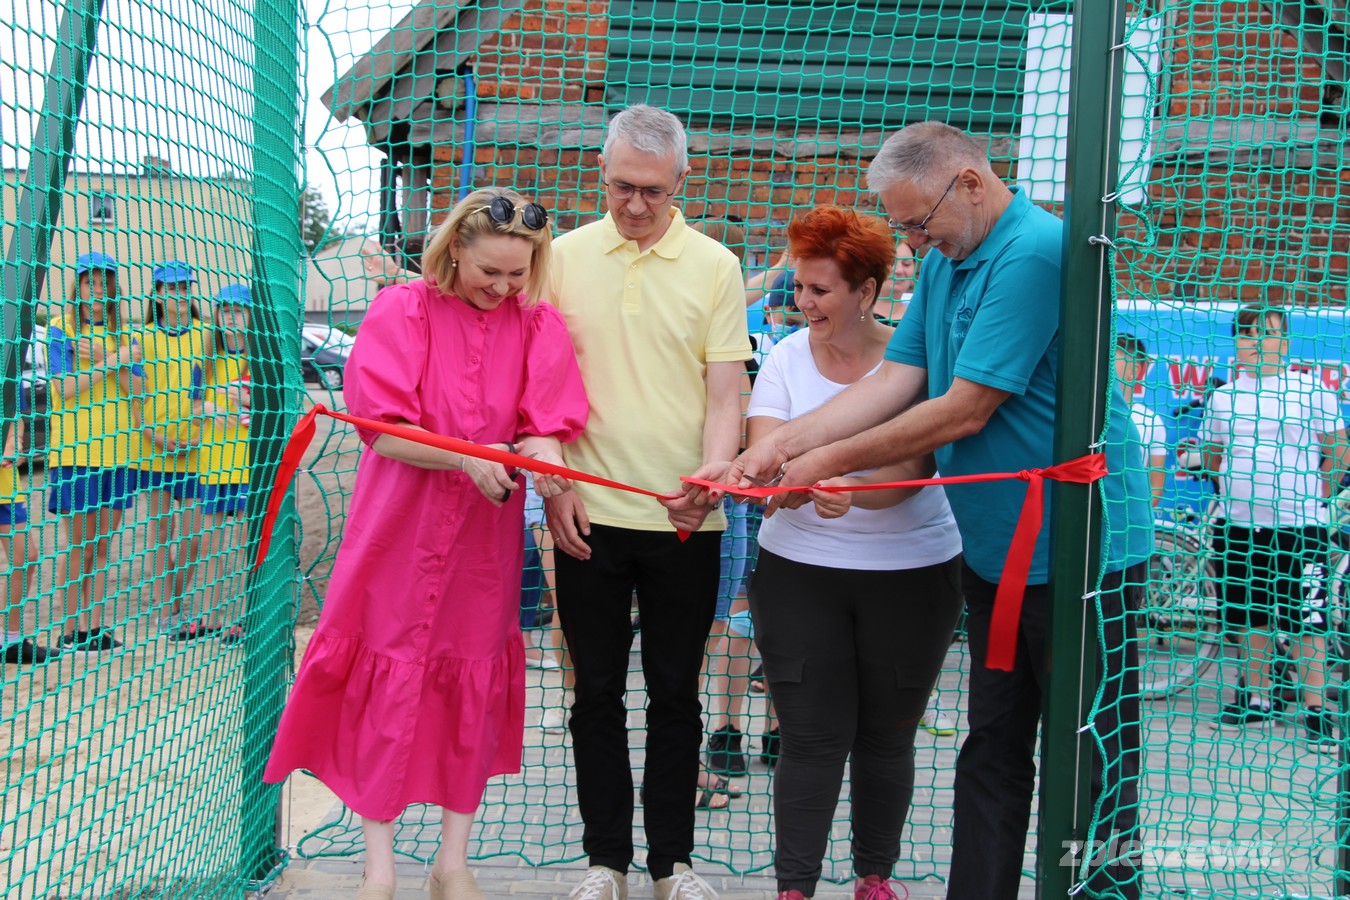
x: 657, y: 313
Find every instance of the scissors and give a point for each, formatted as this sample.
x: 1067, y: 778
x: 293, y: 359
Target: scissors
x: 772, y: 482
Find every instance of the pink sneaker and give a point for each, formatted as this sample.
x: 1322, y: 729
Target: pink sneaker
x: 791, y: 895
x: 874, y: 887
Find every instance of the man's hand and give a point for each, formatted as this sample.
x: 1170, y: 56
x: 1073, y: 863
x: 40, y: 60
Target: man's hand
x: 683, y: 512
x: 807, y: 470
x: 568, y: 524
x: 759, y: 464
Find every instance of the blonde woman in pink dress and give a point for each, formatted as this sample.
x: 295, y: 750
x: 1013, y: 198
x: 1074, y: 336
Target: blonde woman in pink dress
x: 412, y: 689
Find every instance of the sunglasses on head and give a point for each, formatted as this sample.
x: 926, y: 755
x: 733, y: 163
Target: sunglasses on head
x: 503, y: 212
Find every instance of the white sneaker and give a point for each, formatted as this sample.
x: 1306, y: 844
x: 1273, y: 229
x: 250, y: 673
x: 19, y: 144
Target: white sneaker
x: 935, y: 721
x: 683, y: 885
x: 543, y: 662
x: 601, y: 883
x: 170, y: 624
x: 554, y: 719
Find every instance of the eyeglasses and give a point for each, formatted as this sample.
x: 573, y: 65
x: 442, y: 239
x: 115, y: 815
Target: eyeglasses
x: 922, y: 227
x: 622, y: 190
x: 503, y: 212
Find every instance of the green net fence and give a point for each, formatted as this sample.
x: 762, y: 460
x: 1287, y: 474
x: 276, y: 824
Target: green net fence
x: 134, y: 770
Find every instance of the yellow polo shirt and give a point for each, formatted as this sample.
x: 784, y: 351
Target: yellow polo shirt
x: 94, y: 429
x: 224, y: 449
x: 645, y: 325
x: 175, y: 370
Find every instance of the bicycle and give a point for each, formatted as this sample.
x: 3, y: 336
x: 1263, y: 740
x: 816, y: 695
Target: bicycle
x: 1181, y: 624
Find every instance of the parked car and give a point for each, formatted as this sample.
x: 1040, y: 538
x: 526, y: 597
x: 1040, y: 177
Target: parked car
x: 323, y: 355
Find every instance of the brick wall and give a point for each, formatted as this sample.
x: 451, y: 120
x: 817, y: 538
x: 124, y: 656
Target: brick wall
x: 550, y: 50
x: 1250, y: 218
x: 1249, y: 207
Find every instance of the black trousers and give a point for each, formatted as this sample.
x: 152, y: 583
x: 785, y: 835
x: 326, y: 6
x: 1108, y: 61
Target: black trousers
x: 996, y: 768
x: 851, y: 657
x: 676, y: 585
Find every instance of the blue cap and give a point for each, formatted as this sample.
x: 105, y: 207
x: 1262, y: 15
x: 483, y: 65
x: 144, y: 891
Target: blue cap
x: 88, y: 262
x: 234, y: 295
x: 175, y: 271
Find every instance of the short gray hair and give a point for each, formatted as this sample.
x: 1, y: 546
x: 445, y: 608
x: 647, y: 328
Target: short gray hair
x: 924, y: 152
x: 650, y: 130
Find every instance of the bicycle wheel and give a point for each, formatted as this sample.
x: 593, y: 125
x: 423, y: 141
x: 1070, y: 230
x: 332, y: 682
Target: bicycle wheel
x: 1178, y: 629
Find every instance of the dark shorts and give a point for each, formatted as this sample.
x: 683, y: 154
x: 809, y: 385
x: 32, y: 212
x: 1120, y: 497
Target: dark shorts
x: 79, y: 489
x: 224, y: 499
x: 13, y: 514
x: 532, y: 585
x: 1273, y: 577
x: 182, y: 485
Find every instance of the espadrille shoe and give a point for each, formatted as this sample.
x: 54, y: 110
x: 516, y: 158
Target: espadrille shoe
x: 458, y: 884
x: 375, y: 892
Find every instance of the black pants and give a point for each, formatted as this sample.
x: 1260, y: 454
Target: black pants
x: 851, y: 657
x: 676, y: 585
x: 996, y: 769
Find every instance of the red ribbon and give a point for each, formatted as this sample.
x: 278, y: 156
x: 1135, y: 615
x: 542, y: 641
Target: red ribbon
x: 304, y: 433
x: 1012, y: 585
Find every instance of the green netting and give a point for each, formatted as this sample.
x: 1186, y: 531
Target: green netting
x: 137, y: 772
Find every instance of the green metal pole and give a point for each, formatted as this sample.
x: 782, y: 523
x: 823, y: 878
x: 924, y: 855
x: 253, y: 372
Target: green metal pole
x: 274, y: 365
x: 39, y: 208
x: 1095, y: 90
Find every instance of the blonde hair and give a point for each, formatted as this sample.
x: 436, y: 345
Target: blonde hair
x: 112, y: 305
x: 467, y: 223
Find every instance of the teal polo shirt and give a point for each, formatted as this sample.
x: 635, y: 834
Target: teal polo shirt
x: 993, y: 318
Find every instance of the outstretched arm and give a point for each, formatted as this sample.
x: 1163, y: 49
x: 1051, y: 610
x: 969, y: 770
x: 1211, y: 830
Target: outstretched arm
x: 862, y: 405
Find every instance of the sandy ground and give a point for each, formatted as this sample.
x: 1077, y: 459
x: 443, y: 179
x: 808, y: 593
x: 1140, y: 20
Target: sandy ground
x: 121, y: 771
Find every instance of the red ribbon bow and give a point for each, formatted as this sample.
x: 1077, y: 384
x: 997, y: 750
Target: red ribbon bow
x: 1011, y: 586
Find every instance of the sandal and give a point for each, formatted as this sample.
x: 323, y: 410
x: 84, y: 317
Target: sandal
x: 757, y: 679
x: 706, y: 798
x: 721, y: 787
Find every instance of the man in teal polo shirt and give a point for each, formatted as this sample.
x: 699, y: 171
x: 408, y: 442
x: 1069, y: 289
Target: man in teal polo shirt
x: 970, y: 376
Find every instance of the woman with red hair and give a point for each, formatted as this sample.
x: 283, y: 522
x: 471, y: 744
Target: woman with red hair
x: 854, y: 597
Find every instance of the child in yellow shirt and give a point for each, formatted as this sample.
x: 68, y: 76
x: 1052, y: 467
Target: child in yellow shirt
x: 18, y: 553
x: 225, y: 460
x: 94, y: 369
x: 175, y: 344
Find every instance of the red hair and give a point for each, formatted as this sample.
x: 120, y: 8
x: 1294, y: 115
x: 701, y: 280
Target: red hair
x: 862, y: 246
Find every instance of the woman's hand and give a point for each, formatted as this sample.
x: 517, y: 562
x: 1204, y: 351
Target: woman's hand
x: 547, y: 486
x: 126, y: 356
x: 160, y: 439
x: 489, y: 477
x: 830, y: 505
x: 90, y: 352
x: 545, y: 448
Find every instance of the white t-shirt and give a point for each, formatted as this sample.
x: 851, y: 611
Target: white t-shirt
x: 918, y: 532
x: 1152, y: 431
x: 1271, y: 431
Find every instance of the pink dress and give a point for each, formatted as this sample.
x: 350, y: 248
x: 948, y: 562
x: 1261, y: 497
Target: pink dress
x: 412, y: 689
